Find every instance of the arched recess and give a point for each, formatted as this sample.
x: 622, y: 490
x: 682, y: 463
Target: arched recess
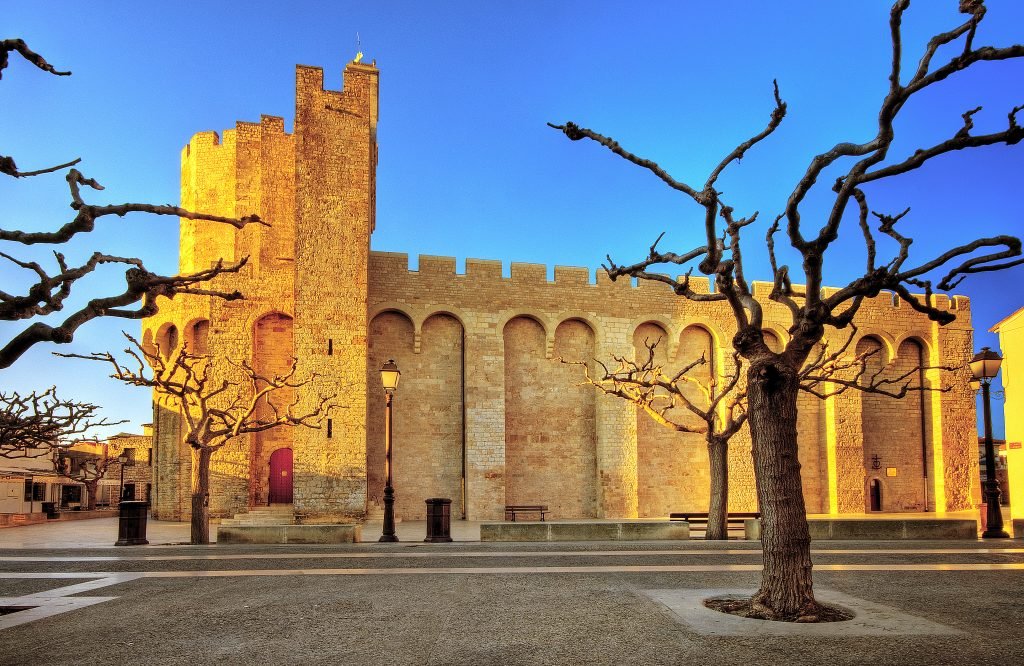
x: 773, y: 339
x: 876, y: 411
x: 672, y: 467
x: 391, y: 335
x: 197, y: 337
x: 427, y: 458
x: 550, y: 424
x: 273, y: 349
x: 910, y: 431
x: 167, y: 340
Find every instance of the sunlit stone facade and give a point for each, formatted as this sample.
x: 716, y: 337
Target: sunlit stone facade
x: 485, y: 414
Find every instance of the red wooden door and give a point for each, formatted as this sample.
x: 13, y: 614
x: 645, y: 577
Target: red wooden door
x: 281, y: 476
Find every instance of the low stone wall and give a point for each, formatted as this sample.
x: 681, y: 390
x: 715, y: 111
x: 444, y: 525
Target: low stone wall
x: 585, y: 531
x: 822, y: 529
x: 349, y: 533
x: 19, y: 519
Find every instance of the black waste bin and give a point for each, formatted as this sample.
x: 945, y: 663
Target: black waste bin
x: 50, y: 509
x: 439, y: 520
x: 131, y: 524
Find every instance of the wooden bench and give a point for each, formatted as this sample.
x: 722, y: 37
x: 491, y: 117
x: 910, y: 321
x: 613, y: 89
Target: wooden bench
x: 512, y: 509
x: 731, y: 520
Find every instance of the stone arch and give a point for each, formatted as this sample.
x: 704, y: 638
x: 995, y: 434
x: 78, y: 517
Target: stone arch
x: 921, y: 340
x: 696, y: 340
x: 883, y: 339
x: 672, y: 467
x: 391, y: 335
x: 884, y: 490
x: 652, y: 330
x: 167, y: 339
x: 774, y: 338
x: 273, y: 353
x: 455, y: 313
x: 584, y: 319
x: 550, y: 439
x: 197, y: 336
x: 913, y: 432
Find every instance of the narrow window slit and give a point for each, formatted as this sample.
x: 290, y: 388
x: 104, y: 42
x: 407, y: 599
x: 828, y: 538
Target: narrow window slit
x: 330, y: 428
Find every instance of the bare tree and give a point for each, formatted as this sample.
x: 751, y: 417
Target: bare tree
x: 86, y: 469
x: 720, y: 406
x: 218, y: 401
x: 668, y: 397
x: 31, y: 425
x: 51, y: 288
x: 773, y: 378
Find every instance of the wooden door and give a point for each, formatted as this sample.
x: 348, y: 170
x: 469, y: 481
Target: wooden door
x: 281, y: 476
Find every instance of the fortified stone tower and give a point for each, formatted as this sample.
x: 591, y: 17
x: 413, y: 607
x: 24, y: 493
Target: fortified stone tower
x: 335, y: 184
x: 305, y: 287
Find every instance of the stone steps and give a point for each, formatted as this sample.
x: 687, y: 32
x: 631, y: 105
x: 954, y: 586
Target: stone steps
x: 261, y: 516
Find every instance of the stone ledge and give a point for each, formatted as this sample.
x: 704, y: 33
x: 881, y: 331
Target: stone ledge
x: 289, y: 534
x: 585, y: 531
x: 883, y: 528
x: 1018, y: 528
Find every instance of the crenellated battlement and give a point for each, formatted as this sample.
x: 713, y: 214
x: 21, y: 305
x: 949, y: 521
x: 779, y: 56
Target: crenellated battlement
x: 490, y: 272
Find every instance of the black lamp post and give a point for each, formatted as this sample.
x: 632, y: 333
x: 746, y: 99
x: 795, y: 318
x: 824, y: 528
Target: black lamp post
x: 984, y: 367
x: 123, y: 458
x: 389, y: 376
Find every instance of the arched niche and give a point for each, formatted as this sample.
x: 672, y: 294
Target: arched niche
x: 167, y: 340
x: 273, y: 351
x: 773, y: 339
x: 390, y: 337
x: 550, y: 440
x: 672, y: 467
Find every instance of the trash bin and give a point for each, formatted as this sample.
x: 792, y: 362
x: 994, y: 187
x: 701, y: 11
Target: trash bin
x: 50, y: 509
x: 439, y: 520
x: 131, y: 524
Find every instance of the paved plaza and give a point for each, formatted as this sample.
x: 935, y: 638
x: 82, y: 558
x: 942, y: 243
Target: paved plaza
x: 483, y: 603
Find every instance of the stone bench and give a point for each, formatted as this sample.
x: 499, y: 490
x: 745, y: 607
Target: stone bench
x: 347, y: 533
x: 867, y: 529
x: 585, y: 531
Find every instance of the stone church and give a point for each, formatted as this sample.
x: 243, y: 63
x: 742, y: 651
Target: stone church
x: 485, y: 414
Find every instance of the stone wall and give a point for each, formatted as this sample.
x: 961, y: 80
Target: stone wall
x: 485, y: 414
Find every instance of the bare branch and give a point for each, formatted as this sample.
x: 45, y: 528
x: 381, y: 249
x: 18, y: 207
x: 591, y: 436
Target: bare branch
x: 19, y: 46
x: 31, y: 425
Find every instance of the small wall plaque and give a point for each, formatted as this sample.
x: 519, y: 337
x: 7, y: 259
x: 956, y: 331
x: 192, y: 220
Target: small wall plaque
x: 890, y: 471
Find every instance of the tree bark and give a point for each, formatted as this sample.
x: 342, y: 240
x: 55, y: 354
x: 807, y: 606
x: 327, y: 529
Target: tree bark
x: 718, y: 451
x: 200, y: 494
x: 785, y: 592
x: 90, y: 488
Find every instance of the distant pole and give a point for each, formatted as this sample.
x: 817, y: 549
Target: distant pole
x: 994, y: 529
x: 389, y: 376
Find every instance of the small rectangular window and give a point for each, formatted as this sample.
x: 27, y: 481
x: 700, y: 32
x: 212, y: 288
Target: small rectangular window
x: 330, y: 347
x: 39, y: 492
x: 330, y: 428
x: 149, y: 457
x: 28, y: 490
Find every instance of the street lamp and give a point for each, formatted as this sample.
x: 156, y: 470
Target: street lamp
x: 984, y: 367
x: 123, y: 458
x: 389, y: 376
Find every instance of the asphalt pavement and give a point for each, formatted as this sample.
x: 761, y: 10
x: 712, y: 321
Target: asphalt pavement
x: 478, y: 603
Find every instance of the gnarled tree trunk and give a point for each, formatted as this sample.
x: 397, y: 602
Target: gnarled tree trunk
x: 91, y: 488
x: 718, y: 452
x: 200, y: 494
x: 785, y: 591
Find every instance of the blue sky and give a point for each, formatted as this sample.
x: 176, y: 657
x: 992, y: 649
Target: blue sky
x: 467, y: 166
